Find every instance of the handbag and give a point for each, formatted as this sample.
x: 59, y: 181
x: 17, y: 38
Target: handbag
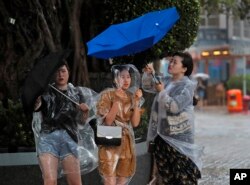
x: 108, y: 135
x: 178, y: 123
x: 151, y: 147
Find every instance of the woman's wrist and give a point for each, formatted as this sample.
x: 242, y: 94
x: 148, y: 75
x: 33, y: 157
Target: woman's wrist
x: 137, y: 103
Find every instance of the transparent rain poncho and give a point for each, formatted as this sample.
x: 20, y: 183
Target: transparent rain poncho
x: 60, y: 115
x: 117, y: 163
x: 175, y: 99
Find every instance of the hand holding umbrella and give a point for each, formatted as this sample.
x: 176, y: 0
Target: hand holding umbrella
x: 39, y: 77
x: 150, y: 70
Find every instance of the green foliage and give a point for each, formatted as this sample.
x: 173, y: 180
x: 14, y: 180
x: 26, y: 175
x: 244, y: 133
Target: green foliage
x: 236, y: 82
x: 141, y: 130
x: 179, y: 38
x: 239, y: 9
x: 15, y: 128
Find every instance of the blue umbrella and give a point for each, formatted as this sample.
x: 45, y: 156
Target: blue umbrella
x: 133, y: 36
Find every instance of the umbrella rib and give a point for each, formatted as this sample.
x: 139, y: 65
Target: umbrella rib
x: 63, y: 94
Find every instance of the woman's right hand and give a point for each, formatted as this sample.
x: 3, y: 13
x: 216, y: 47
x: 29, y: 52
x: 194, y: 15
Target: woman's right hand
x: 38, y: 103
x: 149, y: 69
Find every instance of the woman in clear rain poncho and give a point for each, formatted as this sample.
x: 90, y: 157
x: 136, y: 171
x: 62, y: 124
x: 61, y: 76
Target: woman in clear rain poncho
x: 178, y: 159
x: 120, y: 106
x: 64, y: 140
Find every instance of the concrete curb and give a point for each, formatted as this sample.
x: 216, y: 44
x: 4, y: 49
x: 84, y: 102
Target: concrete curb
x: 23, y: 169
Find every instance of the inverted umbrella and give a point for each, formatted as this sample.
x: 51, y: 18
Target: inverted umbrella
x: 133, y: 36
x: 39, y: 77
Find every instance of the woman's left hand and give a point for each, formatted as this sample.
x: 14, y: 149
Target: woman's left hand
x: 138, y: 94
x: 85, y: 109
x: 159, y: 87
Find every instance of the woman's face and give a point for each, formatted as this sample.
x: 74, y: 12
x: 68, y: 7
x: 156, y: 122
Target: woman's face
x: 175, y: 66
x: 62, y: 76
x: 124, y: 79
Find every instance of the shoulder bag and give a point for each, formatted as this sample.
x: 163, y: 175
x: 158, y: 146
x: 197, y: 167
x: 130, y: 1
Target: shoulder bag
x: 178, y: 123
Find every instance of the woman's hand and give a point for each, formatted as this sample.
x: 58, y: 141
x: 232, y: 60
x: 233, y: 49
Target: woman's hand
x: 159, y: 87
x: 85, y: 109
x: 38, y: 103
x: 149, y: 69
x: 138, y: 95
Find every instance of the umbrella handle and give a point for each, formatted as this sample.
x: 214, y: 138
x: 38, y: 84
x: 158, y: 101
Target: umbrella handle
x: 63, y: 94
x: 155, y: 79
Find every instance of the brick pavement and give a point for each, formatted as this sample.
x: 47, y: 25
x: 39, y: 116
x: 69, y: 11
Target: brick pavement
x: 226, y: 138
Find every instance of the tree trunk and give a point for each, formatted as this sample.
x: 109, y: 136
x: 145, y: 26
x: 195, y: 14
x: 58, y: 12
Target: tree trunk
x: 32, y: 29
x: 80, y: 71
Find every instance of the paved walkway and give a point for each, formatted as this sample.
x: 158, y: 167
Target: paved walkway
x: 226, y: 138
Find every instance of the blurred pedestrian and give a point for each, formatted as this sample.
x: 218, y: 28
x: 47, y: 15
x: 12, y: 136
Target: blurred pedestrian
x: 171, y: 124
x: 220, y: 93
x: 201, y: 91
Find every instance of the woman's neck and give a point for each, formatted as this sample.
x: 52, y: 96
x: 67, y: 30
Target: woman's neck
x: 62, y: 87
x: 177, y: 77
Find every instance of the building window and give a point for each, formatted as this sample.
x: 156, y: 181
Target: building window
x: 236, y: 28
x: 202, y: 21
x: 246, y: 29
x: 213, y: 21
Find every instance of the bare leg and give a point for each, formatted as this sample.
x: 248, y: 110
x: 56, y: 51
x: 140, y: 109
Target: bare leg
x: 71, y: 167
x: 49, y: 165
x: 109, y: 180
x: 122, y: 180
x: 154, y: 174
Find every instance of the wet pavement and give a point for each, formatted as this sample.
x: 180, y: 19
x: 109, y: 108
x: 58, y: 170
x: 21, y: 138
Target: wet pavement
x: 226, y: 138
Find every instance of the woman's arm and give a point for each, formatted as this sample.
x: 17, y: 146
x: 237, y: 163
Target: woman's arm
x: 108, y: 107
x: 136, y: 116
x: 110, y: 117
x: 85, y: 110
x: 38, y: 104
x: 178, y: 101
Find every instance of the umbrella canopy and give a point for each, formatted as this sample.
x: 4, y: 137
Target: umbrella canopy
x: 39, y: 77
x: 133, y: 36
x: 203, y: 76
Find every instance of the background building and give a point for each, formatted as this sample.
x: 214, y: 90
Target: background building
x: 222, y: 48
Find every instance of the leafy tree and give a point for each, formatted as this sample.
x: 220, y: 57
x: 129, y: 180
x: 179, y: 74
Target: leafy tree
x: 30, y: 29
x: 236, y: 82
x: 239, y: 9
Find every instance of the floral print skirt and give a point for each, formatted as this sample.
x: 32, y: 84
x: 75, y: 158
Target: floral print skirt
x: 173, y: 167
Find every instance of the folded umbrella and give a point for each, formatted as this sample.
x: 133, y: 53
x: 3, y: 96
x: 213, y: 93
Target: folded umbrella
x: 133, y: 36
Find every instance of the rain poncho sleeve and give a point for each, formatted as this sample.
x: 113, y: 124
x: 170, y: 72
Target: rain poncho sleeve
x: 58, y: 112
x: 172, y: 117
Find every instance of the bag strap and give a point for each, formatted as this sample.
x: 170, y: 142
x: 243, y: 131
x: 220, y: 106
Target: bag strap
x: 123, y: 125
